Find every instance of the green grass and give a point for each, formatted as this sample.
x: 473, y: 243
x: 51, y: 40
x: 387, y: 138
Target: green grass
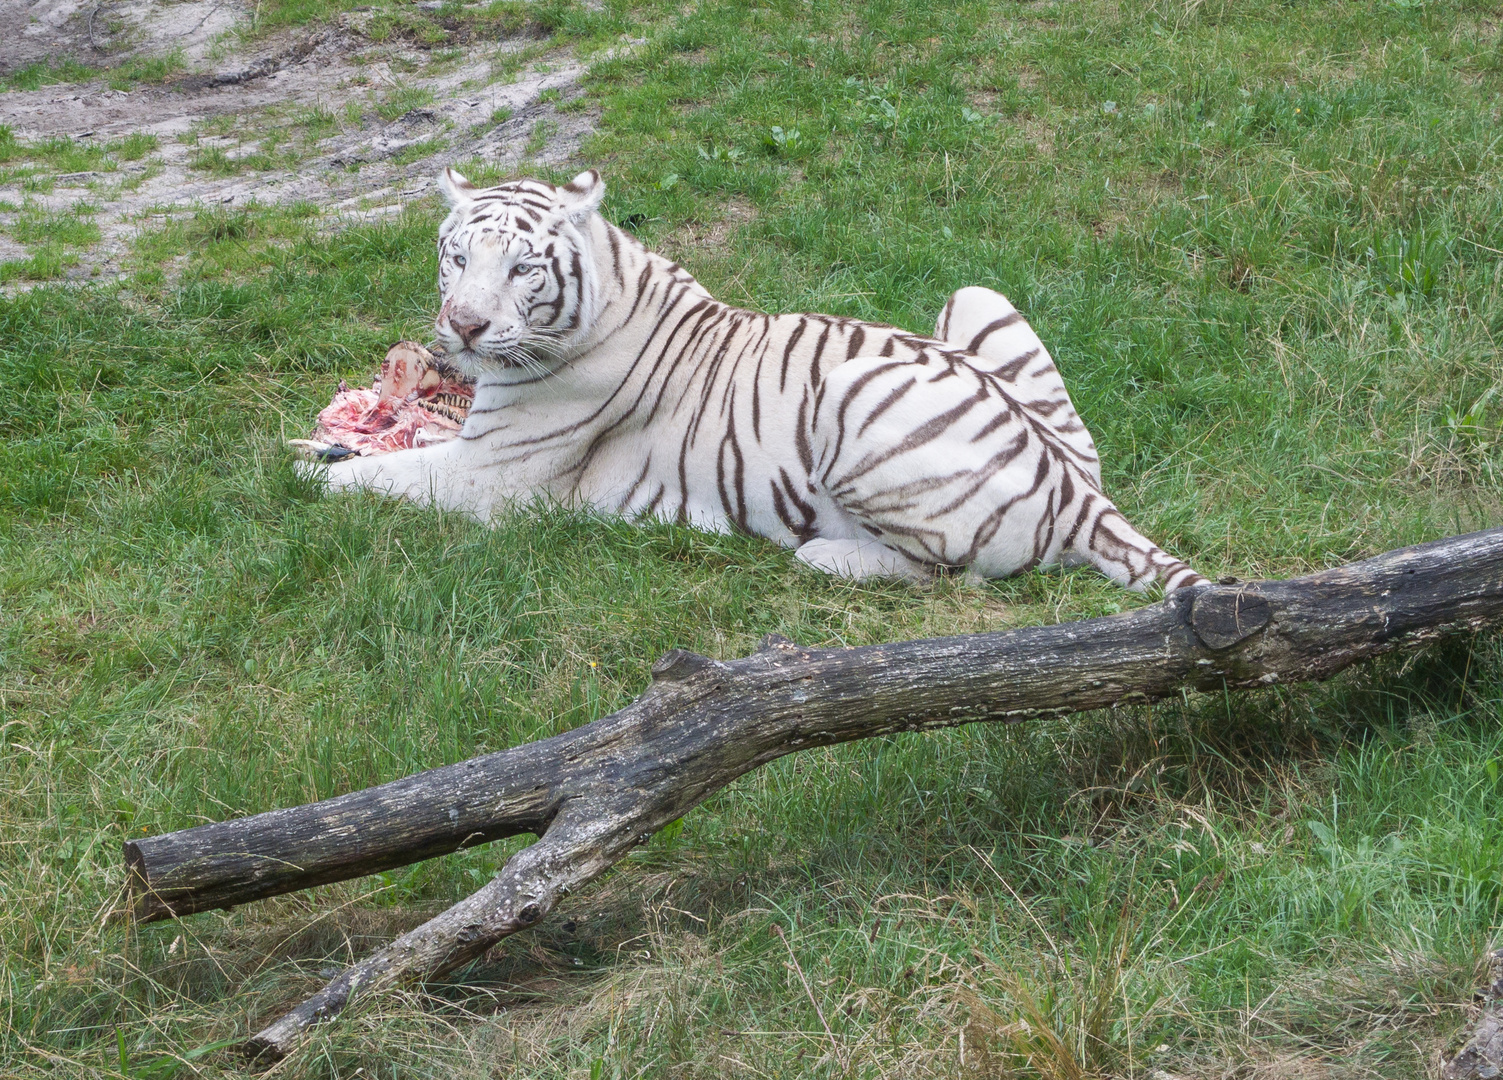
x: 40, y: 74
x: 146, y: 69
x: 402, y: 101
x: 542, y: 131
x: 215, y: 160
x: 317, y: 123
x: 67, y: 229
x: 46, y: 264
x: 276, y: 14
x: 261, y: 154
x: 58, y: 154
x: 1262, y: 243
x: 53, y: 239
x: 136, y: 146
x: 419, y: 150
x: 449, y: 26
x: 36, y: 164
x: 126, y: 76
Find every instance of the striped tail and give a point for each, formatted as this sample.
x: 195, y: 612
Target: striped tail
x: 1109, y: 542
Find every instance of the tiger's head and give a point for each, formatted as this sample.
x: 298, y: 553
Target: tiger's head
x: 515, y: 275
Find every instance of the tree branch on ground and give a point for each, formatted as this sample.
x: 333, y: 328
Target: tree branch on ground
x: 1481, y: 1057
x: 595, y: 793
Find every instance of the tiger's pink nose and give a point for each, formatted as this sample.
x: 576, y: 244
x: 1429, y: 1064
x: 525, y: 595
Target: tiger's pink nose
x: 468, y: 331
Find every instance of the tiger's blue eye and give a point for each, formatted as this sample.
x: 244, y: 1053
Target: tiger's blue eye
x: 460, y: 260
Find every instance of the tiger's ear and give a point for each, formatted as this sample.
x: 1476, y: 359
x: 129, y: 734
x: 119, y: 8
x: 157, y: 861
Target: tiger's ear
x: 455, y: 187
x: 582, y: 195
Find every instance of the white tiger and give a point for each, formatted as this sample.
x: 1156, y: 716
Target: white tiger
x: 607, y: 377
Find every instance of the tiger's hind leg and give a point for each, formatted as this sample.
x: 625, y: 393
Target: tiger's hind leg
x: 937, y: 462
x: 984, y: 323
x: 1108, y: 541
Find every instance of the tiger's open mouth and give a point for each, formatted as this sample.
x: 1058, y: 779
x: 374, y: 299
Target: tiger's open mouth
x: 455, y: 406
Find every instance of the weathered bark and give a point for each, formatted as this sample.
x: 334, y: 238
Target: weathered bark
x: 1481, y: 1058
x: 596, y: 792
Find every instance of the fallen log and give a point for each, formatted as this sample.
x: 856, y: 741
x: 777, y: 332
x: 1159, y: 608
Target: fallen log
x: 1481, y: 1057
x: 594, y: 793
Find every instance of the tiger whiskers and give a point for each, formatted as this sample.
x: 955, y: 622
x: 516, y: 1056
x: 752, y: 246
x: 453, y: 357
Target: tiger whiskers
x: 538, y: 352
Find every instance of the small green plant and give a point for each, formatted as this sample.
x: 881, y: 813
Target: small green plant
x: 58, y: 154
x: 668, y: 836
x: 406, y: 26
x: 879, y: 112
x: 218, y: 226
x: 214, y: 159
x: 133, y: 181
x: 1411, y: 264
x: 401, y: 102
x: 1470, y: 426
x: 64, y: 230
x: 45, y: 73
x: 419, y: 150
x: 45, y: 265
x: 135, y: 146
x: 160, y: 1066
x: 542, y: 131
x: 501, y: 115
x: 729, y: 155
x: 146, y: 69
x: 482, y: 173
x: 551, y: 96
x: 317, y: 122
x: 784, y: 142
x: 55, y: 240
x: 1068, y: 1025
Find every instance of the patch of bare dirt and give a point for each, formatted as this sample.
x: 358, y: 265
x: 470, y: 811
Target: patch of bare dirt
x: 328, y: 117
x: 95, y: 31
x: 712, y: 235
x: 1037, y: 132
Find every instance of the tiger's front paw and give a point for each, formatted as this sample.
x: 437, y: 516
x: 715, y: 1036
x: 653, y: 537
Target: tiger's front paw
x: 341, y: 472
x: 313, y: 450
x: 353, y: 473
x: 331, y: 464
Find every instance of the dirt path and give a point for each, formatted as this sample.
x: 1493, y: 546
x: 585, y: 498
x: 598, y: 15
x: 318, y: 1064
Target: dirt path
x: 100, y: 31
x: 330, y: 118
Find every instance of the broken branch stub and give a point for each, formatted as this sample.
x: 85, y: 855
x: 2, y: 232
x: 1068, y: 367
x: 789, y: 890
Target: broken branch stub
x: 595, y: 792
x: 1481, y: 1057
